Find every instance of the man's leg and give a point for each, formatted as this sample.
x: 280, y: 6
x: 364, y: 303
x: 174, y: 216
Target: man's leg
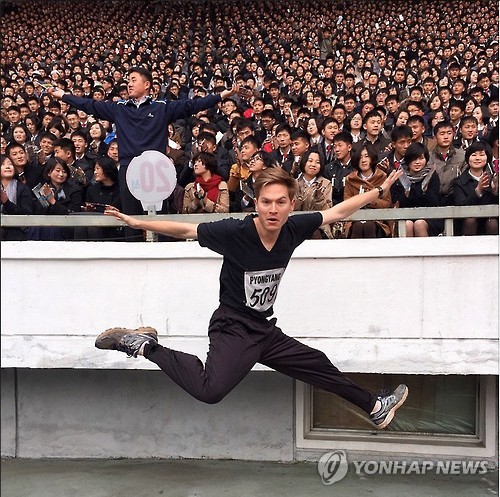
x: 232, y: 354
x: 290, y: 357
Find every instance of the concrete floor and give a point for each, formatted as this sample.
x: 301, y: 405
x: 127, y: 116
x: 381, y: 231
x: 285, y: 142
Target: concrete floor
x: 215, y: 478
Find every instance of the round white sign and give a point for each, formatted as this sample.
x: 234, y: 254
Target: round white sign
x: 151, y: 178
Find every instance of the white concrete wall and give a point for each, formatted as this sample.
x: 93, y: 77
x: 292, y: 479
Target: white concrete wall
x: 425, y: 306
x: 395, y: 306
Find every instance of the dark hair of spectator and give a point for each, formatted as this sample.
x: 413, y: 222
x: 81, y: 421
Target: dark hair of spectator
x: 208, y: 160
x: 109, y: 168
x: 399, y: 132
x: 305, y: 156
x: 479, y: 146
x: 356, y: 159
x: 414, y: 151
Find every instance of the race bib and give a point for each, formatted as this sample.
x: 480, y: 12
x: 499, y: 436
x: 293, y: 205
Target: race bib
x: 261, y: 288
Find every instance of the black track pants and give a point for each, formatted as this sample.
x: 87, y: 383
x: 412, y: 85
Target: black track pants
x: 237, y: 343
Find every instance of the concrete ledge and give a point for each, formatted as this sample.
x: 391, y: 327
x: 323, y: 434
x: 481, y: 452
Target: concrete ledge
x: 406, y: 305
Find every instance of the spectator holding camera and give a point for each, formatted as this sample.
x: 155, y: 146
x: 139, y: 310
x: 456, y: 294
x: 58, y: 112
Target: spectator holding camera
x: 208, y: 192
x: 102, y: 192
x: 59, y: 195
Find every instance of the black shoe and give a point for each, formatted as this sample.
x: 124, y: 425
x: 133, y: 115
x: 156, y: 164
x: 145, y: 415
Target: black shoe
x: 389, y: 405
x: 125, y: 340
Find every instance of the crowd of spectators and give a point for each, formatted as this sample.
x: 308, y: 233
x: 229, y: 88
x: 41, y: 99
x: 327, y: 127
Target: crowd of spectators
x: 337, y: 93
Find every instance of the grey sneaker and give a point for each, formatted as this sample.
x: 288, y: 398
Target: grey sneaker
x: 125, y: 340
x: 390, y: 404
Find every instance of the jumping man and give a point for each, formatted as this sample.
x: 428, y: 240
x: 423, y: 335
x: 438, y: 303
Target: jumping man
x: 256, y: 252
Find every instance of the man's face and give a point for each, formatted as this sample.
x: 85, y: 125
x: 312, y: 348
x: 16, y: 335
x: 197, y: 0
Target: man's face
x: 342, y: 150
x: 325, y: 109
x: 493, y: 109
x: 445, y: 95
x: 138, y: 86
x: 401, y: 145
x: 330, y: 130
x: 392, y: 106
x: 373, y: 126
x: 413, y: 110
x: 258, y: 106
x: 73, y: 121
x: 444, y: 137
x: 339, y: 115
x: 243, y: 133
x: 455, y: 114
x: 112, y: 151
x: 283, y: 139
x: 428, y: 87
x: 484, y: 83
x: 80, y: 144
x: 268, y: 123
x: 247, y: 150
x: 14, y: 116
x: 299, y: 146
x: 228, y: 107
x: 47, y: 145
x: 469, y: 130
x: 33, y: 106
x: 417, y: 130
x: 349, y: 105
x: 64, y: 155
x: 273, y: 206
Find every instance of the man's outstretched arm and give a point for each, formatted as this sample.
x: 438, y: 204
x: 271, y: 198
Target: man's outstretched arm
x: 170, y: 228
x: 351, y: 205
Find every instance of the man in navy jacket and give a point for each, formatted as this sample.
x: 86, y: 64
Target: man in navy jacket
x: 141, y: 122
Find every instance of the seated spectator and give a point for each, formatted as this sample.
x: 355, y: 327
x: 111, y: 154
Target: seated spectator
x: 422, y: 190
x: 299, y: 145
x: 96, y: 145
x: 243, y: 199
x: 373, y: 126
x: 208, y: 192
x: 15, y: 198
x: 401, y: 137
x: 355, y: 126
x: 64, y: 149
x: 112, y: 151
x: 103, y: 191
x: 477, y: 185
x: 21, y: 135
x: 448, y: 161
x: 58, y: 196
x: 283, y: 151
x: 337, y: 170
x: 315, y: 191
x: 329, y: 128
x: 365, y: 177
x: 28, y: 171
x: 240, y: 171
x: 417, y: 126
x: 313, y: 129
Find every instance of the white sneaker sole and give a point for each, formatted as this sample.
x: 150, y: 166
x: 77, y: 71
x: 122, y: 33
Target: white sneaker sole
x: 392, y: 412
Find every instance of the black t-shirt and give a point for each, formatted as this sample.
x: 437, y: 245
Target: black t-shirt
x: 250, y: 273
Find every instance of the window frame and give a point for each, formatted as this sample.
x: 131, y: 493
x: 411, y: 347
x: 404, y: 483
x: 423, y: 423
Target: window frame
x: 482, y: 445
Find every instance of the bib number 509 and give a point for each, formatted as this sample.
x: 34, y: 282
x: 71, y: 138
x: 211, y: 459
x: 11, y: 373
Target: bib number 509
x: 261, y: 296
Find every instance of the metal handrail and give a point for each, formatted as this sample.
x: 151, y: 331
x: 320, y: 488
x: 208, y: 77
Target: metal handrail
x: 398, y: 214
